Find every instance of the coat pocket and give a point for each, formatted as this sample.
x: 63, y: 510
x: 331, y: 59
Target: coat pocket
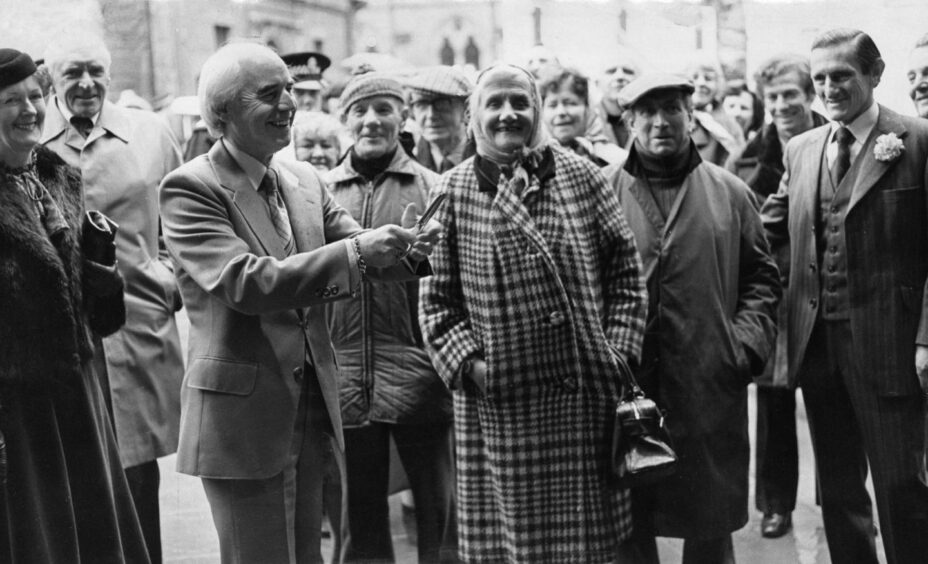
x: 223, y: 376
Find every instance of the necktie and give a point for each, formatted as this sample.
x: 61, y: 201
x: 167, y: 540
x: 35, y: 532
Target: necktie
x: 83, y: 125
x: 277, y: 210
x: 445, y: 165
x: 845, y: 139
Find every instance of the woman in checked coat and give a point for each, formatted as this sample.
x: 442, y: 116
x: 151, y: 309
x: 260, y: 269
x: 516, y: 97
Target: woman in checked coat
x: 536, y: 291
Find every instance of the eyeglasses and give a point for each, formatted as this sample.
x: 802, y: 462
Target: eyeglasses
x: 437, y: 104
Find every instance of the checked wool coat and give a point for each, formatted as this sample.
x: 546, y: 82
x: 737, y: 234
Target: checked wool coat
x: 546, y: 289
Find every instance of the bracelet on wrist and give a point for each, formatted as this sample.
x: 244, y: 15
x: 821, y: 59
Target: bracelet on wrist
x: 362, y: 265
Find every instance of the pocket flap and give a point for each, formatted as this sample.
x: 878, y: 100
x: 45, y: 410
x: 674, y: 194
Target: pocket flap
x: 226, y: 376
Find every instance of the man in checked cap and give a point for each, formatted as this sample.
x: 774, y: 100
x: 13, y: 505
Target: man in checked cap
x: 438, y: 96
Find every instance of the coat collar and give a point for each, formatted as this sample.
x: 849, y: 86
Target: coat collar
x: 114, y: 121
x: 401, y: 165
x: 488, y: 173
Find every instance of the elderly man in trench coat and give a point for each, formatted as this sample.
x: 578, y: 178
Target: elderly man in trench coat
x: 713, y: 289
x: 123, y: 155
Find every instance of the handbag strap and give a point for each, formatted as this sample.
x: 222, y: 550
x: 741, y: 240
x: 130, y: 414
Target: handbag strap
x: 632, y: 389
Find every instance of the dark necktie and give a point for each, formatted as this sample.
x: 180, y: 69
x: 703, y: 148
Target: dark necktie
x: 445, y: 166
x: 845, y: 139
x: 83, y: 125
x: 275, y: 206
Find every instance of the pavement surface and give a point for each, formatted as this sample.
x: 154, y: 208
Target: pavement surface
x: 189, y: 537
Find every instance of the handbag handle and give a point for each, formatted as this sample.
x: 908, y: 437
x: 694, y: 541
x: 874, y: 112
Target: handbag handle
x: 632, y: 389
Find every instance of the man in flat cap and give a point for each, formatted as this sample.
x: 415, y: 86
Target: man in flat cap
x: 306, y: 68
x: 438, y: 97
x: 705, y: 258
x: 387, y: 385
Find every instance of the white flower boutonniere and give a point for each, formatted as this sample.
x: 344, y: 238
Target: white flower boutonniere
x: 888, y: 147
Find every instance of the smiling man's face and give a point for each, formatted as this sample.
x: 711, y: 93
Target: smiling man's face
x: 918, y: 79
x: 258, y: 122
x: 81, y: 80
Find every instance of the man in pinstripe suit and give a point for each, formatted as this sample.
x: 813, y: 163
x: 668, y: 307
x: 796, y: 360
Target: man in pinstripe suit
x: 852, y: 207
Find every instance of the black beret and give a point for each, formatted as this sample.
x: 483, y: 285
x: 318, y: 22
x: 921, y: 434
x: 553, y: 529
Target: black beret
x: 15, y: 66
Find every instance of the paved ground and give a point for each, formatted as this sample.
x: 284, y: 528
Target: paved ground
x: 189, y: 537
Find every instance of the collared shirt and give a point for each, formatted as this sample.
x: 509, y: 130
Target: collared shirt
x: 68, y: 115
x: 254, y: 169
x: 860, y: 128
x: 455, y: 156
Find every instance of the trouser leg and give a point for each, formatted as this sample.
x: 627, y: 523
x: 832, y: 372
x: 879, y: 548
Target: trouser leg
x: 426, y: 453
x: 144, y: 481
x: 777, y: 452
x: 709, y: 551
x: 367, y: 456
x: 847, y: 511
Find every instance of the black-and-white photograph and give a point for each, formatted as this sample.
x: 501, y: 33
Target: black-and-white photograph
x: 464, y: 281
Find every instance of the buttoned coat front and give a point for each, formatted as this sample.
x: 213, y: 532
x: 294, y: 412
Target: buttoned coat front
x: 710, y: 270
x: 546, y: 289
x: 255, y: 314
x: 122, y: 161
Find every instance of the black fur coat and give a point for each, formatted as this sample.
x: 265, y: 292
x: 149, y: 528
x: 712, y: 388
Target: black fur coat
x: 50, y: 298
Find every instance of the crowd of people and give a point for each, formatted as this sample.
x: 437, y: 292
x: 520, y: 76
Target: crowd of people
x: 708, y: 233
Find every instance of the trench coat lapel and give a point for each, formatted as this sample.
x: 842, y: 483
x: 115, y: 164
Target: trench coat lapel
x: 249, y: 202
x: 639, y: 189
x: 870, y: 169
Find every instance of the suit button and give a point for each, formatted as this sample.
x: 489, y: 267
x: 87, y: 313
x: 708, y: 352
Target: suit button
x: 556, y: 318
x: 297, y: 373
x: 813, y: 303
x: 333, y: 290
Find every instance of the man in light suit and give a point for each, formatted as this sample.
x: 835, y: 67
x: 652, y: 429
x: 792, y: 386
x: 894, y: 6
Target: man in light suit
x: 259, y: 246
x: 123, y: 155
x: 852, y: 208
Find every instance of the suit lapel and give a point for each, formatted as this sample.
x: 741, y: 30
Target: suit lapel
x: 813, y: 159
x: 249, y: 202
x: 303, y: 208
x: 870, y: 170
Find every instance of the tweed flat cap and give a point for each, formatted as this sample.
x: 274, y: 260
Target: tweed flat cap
x: 368, y: 85
x: 14, y: 67
x: 437, y: 82
x: 649, y: 82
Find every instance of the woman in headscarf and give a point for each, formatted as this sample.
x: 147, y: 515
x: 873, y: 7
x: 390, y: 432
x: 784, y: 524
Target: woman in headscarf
x: 535, y: 294
x: 64, y: 498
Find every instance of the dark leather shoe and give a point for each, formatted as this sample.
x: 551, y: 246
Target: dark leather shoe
x: 775, y: 525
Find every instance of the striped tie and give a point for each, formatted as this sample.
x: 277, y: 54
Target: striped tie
x: 277, y: 209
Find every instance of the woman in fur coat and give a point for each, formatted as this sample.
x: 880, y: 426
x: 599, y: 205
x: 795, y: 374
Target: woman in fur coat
x: 63, y: 495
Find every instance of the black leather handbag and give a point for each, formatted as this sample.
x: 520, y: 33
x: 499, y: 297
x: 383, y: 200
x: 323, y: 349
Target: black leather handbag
x: 642, y: 452
x: 99, y: 238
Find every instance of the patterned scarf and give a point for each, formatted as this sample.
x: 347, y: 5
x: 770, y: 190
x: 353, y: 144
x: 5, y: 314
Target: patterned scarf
x: 514, y: 165
x: 26, y: 179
